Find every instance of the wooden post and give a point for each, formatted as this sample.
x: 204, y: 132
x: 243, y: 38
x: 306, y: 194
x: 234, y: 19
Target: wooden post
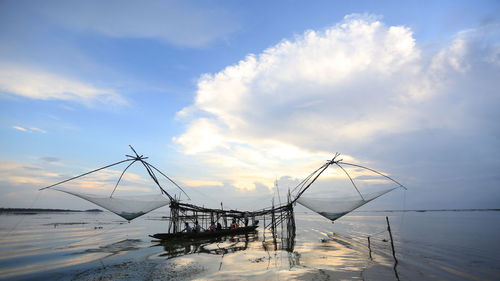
x: 264, y: 227
x: 290, y: 227
x: 170, y: 222
x: 224, y: 218
x: 273, y: 227
x: 369, y: 248
x: 392, y: 242
x: 174, y: 216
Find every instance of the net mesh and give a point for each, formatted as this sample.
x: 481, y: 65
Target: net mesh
x: 127, y: 207
x: 334, y: 208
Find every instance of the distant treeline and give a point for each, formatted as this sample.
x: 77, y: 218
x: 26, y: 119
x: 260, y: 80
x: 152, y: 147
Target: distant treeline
x: 39, y: 210
x: 435, y: 210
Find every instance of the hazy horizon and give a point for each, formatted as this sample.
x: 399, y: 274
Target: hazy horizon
x: 228, y: 97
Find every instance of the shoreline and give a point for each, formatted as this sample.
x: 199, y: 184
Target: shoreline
x: 428, y: 210
x: 42, y: 210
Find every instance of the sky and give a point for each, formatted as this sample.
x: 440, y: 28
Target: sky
x: 228, y: 97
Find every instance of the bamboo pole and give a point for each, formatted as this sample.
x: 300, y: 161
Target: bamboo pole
x: 273, y: 225
x: 369, y: 248
x: 392, y: 241
x: 264, y: 218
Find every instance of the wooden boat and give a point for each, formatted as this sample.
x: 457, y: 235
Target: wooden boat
x: 205, y: 234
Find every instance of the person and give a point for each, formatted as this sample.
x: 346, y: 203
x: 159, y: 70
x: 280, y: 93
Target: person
x: 234, y: 225
x: 197, y: 227
x: 187, y: 228
x: 219, y: 226
x: 212, y: 227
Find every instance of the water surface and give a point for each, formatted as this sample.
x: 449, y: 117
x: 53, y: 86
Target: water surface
x: 101, y: 246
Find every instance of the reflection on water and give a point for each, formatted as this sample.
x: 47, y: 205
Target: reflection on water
x: 123, y: 246
x: 79, y: 246
x: 212, y: 246
x: 262, y: 255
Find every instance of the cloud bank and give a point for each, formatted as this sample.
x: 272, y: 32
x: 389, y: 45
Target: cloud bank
x: 37, y: 84
x: 359, y: 87
x: 174, y: 22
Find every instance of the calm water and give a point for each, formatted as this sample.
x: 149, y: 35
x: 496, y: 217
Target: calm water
x: 90, y: 246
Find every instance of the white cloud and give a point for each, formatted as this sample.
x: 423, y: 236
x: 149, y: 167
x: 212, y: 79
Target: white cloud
x: 176, y: 22
x: 342, y: 89
x: 202, y: 136
x: 37, y: 84
x: 30, y: 130
x: 331, y: 68
x: 19, y: 128
x: 35, y: 129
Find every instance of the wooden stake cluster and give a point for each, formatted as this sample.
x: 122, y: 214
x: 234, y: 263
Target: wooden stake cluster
x: 275, y: 215
x: 280, y: 220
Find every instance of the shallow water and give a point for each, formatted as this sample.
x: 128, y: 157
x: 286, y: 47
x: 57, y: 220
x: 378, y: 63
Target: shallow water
x: 101, y: 246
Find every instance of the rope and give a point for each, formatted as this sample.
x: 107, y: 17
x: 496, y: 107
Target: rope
x: 79, y: 176
x: 351, y: 237
x: 149, y: 168
x: 353, y: 184
x: 195, y: 189
x: 385, y: 176
x: 172, y: 181
x: 401, y: 221
x: 120, y: 178
x: 23, y: 217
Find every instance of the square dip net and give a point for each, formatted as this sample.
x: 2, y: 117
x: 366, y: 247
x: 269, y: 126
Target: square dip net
x: 342, y: 188
x: 127, y: 207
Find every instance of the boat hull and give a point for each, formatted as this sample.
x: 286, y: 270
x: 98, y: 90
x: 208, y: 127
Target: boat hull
x: 206, y: 234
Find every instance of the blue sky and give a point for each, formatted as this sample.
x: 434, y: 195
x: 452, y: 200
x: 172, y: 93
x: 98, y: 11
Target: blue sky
x: 227, y: 96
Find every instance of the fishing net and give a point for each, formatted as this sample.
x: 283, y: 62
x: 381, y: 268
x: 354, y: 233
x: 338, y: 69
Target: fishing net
x: 343, y: 187
x: 127, y: 207
x: 334, y: 208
